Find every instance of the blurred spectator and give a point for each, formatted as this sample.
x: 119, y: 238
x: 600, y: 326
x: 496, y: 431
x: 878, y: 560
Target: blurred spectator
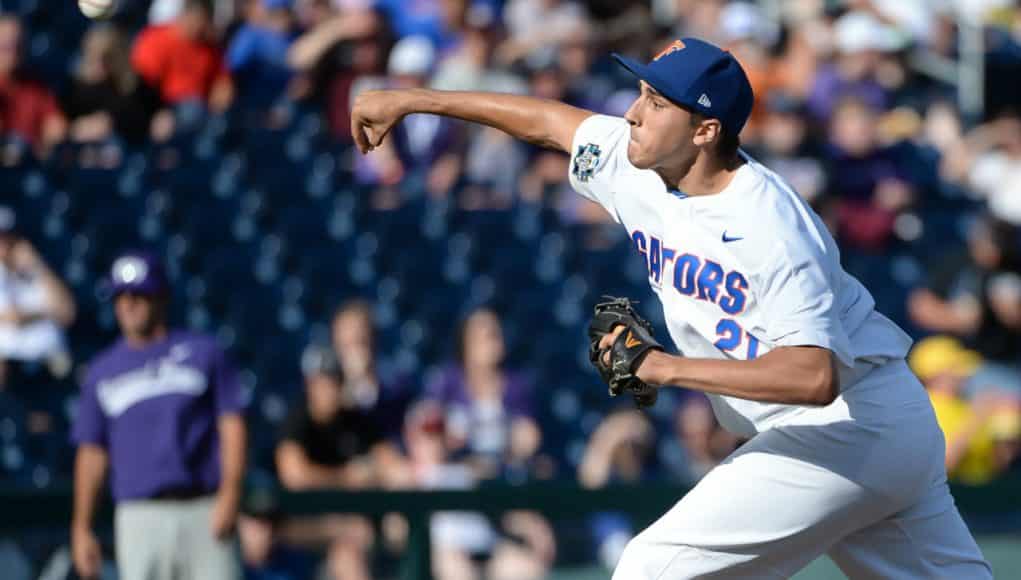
x: 800, y: 56
x: 585, y: 87
x: 257, y: 55
x: 545, y: 179
x: 328, y: 443
x: 943, y: 130
x: 859, y: 39
x: 336, y: 50
x: 748, y: 34
x: 35, y: 305
x: 989, y: 161
x: 983, y: 435
x: 786, y: 144
x: 534, y: 26
x: 165, y: 11
x: 620, y: 450
x: 457, y: 537
x: 526, y: 550
x: 873, y: 182
x: 106, y: 97
x: 460, y: 539
x: 698, y: 19
x: 265, y: 555
x: 384, y: 399
x: 489, y: 408
x: 699, y: 445
x: 468, y: 65
x: 441, y: 21
x: 28, y: 110
x: 182, y: 61
x: 976, y: 296
x: 499, y: 180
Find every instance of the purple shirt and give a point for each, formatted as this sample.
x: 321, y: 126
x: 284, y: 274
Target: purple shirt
x: 155, y: 410
x: 486, y: 425
x: 829, y: 87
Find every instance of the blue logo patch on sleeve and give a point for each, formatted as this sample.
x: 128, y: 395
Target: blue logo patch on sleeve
x: 585, y: 161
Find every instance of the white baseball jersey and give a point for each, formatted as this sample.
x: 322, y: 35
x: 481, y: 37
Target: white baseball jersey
x: 739, y: 272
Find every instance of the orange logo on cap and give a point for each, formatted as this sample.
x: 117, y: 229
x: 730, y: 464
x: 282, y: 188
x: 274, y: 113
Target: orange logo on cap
x: 671, y: 48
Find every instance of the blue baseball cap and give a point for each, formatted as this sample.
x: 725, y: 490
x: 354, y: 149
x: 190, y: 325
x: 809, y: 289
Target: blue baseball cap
x: 699, y: 76
x: 139, y: 273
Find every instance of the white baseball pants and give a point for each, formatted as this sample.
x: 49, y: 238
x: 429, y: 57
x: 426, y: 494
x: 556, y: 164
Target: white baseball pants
x: 862, y: 480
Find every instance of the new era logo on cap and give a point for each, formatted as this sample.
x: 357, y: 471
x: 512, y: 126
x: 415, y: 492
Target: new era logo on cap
x: 704, y: 101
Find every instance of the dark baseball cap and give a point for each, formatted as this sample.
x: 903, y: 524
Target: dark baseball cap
x: 701, y: 77
x: 138, y: 272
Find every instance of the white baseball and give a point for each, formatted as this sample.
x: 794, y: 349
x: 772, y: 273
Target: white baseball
x: 97, y: 8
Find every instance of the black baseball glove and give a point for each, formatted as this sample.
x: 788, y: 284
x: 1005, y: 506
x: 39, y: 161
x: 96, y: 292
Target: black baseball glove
x: 626, y: 352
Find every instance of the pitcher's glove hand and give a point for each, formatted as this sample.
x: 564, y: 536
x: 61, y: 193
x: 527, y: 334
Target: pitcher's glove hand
x: 619, y: 362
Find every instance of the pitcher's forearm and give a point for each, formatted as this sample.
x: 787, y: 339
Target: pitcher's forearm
x: 785, y: 375
x: 542, y: 122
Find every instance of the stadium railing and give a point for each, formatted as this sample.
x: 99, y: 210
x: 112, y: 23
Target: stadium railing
x: 24, y: 508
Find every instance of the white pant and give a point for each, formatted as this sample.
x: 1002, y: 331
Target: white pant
x: 862, y: 480
x: 171, y: 540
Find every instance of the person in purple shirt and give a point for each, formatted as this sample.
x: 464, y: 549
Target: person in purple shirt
x: 873, y: 182
x: 162, y: 409
x: 861, y: 43
x: 489, y: 408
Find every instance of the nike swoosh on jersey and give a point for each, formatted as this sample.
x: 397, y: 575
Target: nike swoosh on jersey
x: 726, y: 239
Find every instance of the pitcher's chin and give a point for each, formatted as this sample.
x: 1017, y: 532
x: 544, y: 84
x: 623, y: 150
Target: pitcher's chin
x: 634, y: 156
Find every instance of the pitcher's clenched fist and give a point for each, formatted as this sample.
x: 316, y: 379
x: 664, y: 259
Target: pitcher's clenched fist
x: 376, y: 112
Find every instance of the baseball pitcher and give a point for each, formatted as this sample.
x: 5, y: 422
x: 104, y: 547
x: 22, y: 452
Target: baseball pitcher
x: 845, y: 456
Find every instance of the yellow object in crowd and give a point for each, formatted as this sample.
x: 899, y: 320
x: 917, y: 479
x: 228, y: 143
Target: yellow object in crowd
x: 978, y: 464
x: 937, y: 355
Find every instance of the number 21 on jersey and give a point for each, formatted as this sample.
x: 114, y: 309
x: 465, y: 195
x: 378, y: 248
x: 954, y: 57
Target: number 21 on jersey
x: 732, y: 336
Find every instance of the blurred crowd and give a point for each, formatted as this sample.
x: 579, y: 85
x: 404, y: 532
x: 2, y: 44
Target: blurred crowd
x: 848, y: 110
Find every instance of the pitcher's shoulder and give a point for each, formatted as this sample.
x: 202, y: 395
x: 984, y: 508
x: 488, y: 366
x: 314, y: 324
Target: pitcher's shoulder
x: 789, y: 219
x: 764, y: 222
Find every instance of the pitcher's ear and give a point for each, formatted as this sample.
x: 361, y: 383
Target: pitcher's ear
x: 708, y: 132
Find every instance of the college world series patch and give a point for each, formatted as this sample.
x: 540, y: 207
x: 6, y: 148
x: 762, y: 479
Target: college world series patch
x: 586, y: 161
